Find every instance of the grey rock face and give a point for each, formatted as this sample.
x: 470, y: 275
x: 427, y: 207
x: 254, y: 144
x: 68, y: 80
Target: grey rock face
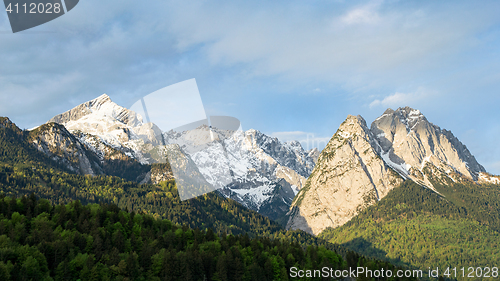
x: 360, y: 166
x: 278, y: 203
x: 288, y: 154
x: 348, y: 177
x: 258, y: 164
x: 84, y: 154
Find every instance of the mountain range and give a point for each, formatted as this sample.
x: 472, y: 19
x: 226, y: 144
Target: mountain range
x: 305, y: 190
x: 266, y: 174
x: 396, y: 190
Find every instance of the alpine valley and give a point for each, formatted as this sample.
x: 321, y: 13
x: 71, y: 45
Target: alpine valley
x: 401, y: 192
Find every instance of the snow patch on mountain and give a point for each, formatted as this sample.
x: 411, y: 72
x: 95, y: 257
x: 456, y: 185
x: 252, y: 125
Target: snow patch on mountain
x: 114, y: 125
x: 248, y: 164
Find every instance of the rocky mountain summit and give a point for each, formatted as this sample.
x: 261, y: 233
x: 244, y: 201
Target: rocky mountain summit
x: 85, y: 154
x: 349, y: 176
x: 409, y: 143
x: 114, y: 126
x: 265, y: 170
x: 360, y: 165
x: 251, y: 167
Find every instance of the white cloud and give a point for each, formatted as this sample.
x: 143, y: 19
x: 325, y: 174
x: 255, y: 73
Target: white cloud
x: 125, y: 49
x: 366, y: 14
x: 332, y: 44
x: 402, y: 99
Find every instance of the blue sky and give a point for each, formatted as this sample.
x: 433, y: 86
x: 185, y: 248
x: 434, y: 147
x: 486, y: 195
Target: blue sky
x: 291, y: 69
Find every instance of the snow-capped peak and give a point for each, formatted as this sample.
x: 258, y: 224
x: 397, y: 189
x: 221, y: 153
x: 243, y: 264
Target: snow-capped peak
x: 113, y: 124
x: 245, y: 163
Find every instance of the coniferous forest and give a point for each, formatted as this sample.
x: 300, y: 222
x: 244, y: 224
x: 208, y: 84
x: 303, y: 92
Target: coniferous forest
x: 40, y: 241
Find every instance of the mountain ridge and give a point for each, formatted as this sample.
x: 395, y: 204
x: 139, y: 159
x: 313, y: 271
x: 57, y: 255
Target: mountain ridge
x: 257, y: 163
x: 360, y: 165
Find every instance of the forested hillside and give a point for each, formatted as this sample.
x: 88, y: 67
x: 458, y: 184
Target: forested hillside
x: 39, y: 241
x: 25, y: 170
x: 161, y: 201
x: 415, y: 226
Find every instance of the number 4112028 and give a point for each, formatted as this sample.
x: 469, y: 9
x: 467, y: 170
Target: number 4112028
x: 33, y: 8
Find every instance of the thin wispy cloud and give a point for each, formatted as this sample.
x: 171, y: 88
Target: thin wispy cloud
x: 403, y: 99
x: 366, y: 14
x: 278, y: 40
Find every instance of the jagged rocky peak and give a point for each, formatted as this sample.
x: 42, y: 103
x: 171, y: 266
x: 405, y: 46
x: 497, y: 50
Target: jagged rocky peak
x: 263, y: 141
x: 294, y: 144
x: 409, y: 116
x: 289, y: 154
x: 256, y: 161
x: 256, y: 139
x: 5, y: 122
x: 55, y: 141
x: 408, y: 142
x: 102, y: 99
x: 348, y: 176
x: 353, y: 125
